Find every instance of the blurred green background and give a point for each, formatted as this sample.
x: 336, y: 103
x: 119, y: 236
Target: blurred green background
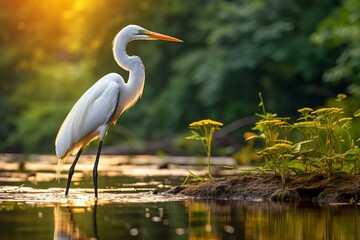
x: 297, y: 53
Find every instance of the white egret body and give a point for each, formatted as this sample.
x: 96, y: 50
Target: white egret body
x: 102, y: 104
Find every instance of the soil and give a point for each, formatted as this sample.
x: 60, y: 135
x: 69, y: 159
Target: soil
x: 307, y: 188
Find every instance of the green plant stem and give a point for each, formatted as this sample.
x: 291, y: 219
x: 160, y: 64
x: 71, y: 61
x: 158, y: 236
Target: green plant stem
x: 209, y: 140
x: 208, y: 156
x: 262, y: 103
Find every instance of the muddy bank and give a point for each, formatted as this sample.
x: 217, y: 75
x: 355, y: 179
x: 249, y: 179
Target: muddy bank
x: 309, y: 188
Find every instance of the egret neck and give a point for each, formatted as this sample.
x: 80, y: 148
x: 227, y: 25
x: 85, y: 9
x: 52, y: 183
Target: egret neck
x: 134, y: 65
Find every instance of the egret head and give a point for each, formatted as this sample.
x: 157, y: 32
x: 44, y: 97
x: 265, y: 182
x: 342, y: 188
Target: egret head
x: 135, y: 32
x: 131, y: 33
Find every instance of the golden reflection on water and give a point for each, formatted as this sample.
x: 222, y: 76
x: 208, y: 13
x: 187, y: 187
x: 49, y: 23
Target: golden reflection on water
x: 65, y: 226
x: 85, y: 218
x: 236, y: 220
x: 266, y: 220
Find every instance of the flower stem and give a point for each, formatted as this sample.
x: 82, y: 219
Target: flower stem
x: 208, y: 143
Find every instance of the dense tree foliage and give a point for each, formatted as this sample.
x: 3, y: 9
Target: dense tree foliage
x: 297, y: 53
x: 341, y: 30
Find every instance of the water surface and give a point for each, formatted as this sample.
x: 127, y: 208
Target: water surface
x: 185, y: 219
x: 131, y: 206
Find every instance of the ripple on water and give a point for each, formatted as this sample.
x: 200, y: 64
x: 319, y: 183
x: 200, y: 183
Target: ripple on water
x: 79, y: 197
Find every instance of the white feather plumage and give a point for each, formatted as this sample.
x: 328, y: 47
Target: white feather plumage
x: 93, y: 110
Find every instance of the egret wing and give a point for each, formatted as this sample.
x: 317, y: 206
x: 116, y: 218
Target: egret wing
x: 90, y: 114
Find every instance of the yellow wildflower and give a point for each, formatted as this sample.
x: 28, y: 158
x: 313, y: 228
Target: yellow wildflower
x: 305, y: 124
x: 345, y: 119
x: 340, y: 97
x: 327, y: 110
x: 305, y: 110
x: 270, y: 122
x: 205, y: 122
x: 203, y: 130
x: 277, y: 147
x: 280, y: 141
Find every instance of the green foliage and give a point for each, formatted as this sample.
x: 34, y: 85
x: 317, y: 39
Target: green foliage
x: 325, y: 146
x: 45, y: 105
x: 341, y: 30
x: 241, y: 47
x: 53, y: 50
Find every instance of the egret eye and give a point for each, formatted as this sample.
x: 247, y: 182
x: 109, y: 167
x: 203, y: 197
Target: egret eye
x: 142, y: 32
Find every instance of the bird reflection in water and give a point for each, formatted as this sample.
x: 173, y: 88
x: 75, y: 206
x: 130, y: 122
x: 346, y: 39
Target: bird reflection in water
x: 65, y: 226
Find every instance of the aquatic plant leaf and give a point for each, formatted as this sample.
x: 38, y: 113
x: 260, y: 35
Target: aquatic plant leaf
x: 195, y: 136
x: 255, y: 137
x: 297, y: 147
x: 297, y: 165
x: 348, y: 168
x: 201, y: 179
x: 353, y: 153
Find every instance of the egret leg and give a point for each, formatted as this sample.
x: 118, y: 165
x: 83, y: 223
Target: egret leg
x: 95, y: 172
x: 71, y: 172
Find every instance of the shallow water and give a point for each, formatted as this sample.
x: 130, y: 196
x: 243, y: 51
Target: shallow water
x: 185, y: 219
x: 33, y: 206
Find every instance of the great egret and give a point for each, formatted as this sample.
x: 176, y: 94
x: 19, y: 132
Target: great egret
x: 102, y: 104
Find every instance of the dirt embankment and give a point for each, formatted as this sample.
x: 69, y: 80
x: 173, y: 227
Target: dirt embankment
x: 309, y: 188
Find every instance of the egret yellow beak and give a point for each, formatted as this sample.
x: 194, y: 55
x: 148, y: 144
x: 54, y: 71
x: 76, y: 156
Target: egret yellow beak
x: 163, y: 37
